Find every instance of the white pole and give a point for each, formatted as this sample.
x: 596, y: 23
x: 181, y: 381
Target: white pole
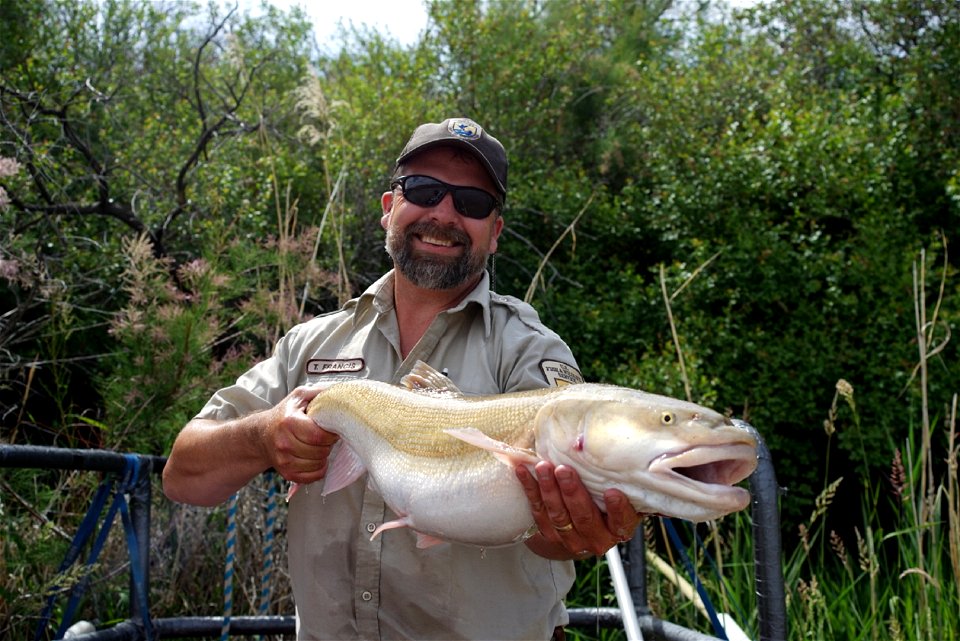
x: 624, y: 600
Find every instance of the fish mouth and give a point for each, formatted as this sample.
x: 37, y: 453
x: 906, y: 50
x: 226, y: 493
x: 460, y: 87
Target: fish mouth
x: 707, y: 473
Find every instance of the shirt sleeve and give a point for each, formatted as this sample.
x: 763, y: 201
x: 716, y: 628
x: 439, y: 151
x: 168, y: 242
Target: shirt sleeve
x: 259, y: 388
x: 532, y: 355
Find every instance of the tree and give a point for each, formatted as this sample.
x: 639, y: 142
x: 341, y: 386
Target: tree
x: 132, y: 120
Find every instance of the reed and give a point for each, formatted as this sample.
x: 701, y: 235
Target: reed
x: 893, y: 573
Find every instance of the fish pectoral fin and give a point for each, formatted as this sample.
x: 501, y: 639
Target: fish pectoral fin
x: 424, y: 541
x: 345, y: 468
x: 507, y: 454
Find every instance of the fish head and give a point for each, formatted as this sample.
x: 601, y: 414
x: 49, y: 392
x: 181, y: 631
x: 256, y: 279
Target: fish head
x: 668, y: 456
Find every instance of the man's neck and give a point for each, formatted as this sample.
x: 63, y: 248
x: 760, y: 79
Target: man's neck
x: 416, y: 307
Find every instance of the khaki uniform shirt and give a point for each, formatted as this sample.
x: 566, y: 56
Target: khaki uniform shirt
x: 348, y: 587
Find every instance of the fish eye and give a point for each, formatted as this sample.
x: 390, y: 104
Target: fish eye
x: 667, y: 418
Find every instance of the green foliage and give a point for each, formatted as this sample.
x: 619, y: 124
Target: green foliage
x: 167, y: 125
x: 184, y: 333
x: 190, y: 182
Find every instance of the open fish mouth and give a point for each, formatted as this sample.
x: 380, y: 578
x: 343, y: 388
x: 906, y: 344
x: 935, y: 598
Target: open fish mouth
x: 720, y: 465
x: 708, y: 470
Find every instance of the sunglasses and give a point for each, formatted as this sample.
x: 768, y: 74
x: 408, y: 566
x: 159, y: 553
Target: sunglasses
x: 425, y: 191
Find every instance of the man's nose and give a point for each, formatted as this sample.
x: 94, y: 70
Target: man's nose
x: 445, y: 210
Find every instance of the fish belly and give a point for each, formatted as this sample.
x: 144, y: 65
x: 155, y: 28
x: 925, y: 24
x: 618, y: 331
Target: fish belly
x: 477, y: 502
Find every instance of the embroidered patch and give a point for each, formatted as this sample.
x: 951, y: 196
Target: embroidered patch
x: 465, y: 128
x: 334, y: 365
x: 560, y: 374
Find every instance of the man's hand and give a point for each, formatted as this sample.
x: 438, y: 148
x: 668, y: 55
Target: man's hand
x: 296, y: 446
x: 212, y: 459
x: 570, y: 523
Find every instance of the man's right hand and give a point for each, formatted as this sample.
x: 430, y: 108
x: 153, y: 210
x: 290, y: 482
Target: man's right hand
x: 296, y: 447
x: 212, y: 459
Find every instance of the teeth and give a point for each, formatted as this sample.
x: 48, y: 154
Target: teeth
x: 436, y: 241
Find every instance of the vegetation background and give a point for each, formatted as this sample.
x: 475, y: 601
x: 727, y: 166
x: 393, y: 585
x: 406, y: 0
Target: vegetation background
x: 752, y: 208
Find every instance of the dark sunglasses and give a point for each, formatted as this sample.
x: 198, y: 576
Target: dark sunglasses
x: 425, y: 191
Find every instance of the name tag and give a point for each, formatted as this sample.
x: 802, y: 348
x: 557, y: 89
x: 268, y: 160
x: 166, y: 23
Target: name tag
x: 334, y: 365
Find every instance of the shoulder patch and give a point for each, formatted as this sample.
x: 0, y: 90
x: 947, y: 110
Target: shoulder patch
x: 559, y: 373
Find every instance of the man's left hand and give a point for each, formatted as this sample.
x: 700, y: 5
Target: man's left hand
x: 570, y: 524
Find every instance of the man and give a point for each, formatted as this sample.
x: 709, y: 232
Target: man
x: 442, y: 218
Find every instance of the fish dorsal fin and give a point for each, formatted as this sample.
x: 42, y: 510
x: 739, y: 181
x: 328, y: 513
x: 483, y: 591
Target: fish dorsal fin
x: 423, y: 378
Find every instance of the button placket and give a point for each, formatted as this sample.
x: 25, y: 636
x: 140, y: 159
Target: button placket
x: 368, y: 567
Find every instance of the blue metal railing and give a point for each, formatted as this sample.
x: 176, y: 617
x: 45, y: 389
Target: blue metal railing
x: 771, y: 602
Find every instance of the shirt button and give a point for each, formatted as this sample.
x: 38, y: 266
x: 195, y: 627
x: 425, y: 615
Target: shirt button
x: 371, y: 527
x: 366, y: 595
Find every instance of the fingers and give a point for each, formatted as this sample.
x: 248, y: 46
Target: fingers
x: 562, y: 509
x: 299, y: 448
x: 622, y: 519
x: 539, y: 493
x: 566, y: 514
x: 308, y: 432
x: 546, y: 506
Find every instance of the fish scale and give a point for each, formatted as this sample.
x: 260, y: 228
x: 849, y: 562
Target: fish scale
x: 386, y: 410
x: 443, y: 461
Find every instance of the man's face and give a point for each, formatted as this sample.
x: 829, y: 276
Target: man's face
x: 436, y: 247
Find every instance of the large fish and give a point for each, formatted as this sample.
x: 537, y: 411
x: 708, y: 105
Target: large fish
x: 444, y: 461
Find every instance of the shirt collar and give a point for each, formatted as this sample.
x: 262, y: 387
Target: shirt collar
x: 379, y: 296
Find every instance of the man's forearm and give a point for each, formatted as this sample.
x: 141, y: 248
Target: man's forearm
x: 212, y: 459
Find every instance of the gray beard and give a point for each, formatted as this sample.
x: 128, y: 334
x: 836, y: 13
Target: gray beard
x: 434, y: 272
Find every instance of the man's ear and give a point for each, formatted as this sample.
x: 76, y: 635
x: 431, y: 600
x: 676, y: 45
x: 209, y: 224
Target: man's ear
x: 495, y: 235
x: 386, y: 204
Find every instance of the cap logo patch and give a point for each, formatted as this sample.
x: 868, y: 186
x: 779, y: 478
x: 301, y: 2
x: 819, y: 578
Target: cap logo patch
x: 465, y: 128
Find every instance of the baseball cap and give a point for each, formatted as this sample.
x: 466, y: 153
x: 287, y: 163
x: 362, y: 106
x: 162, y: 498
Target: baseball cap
x: 466, y: 133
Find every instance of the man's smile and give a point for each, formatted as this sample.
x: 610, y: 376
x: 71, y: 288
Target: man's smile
x: 444, y: 241
x: 435, y: 240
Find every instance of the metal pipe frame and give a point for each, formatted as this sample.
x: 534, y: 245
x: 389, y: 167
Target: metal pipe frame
x: 764, y: 490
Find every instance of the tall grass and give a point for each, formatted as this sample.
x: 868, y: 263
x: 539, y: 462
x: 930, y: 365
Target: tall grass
x: 894, y: 573
x: 896, y: 579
